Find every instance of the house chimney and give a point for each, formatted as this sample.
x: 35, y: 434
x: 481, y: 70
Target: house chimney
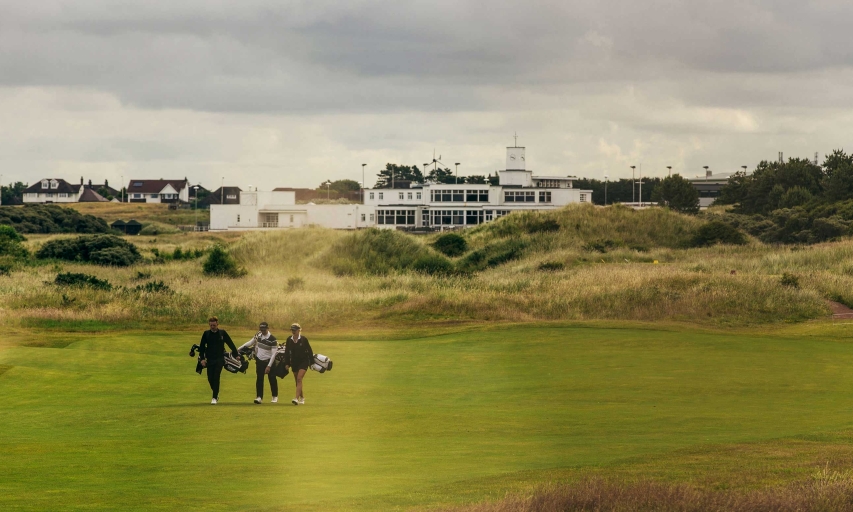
x: 90, y: 183
x: 106, y: 183
x: 81, y: 180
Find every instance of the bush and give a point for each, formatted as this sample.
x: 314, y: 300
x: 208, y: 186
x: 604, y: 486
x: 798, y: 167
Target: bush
x: 98, y: 249
x: 451, y: 244
x: 48, y: 218
x: 716, y: 232
x: 493, y: 254
x: 789, y: 280
x: 158, y: 228
x: 295, y: 283
x: 81, y: 280
x: 220, y: 263
x: 154, y: 287
x: 9, y: 233
x: 601, y: 246
x: 433, y: 264
x: 543, y: 226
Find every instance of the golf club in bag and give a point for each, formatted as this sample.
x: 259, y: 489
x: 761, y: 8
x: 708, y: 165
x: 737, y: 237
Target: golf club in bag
x: 321, y: 364
x: 278, y: 368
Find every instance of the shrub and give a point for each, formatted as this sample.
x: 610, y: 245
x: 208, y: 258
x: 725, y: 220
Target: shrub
x: 717, y: 232
x: 789, y: 280
x: 295, y: 283
x: 142, y: 276
x: 99, y: 249
x: 154, y: 287
x: 551, y: 266
x: 451, y: 244
x: 220, y: 263
x: 81, y: 280
x: 433, y: 264
x: 158, y: 228
x: 601, y: 246
x: 543, y: 226
x: 493, y: 254
x: 9, y: 233
x: 48, y: 218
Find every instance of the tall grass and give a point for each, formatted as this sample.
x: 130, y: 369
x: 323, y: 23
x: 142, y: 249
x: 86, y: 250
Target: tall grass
x: 834, y: 493
x: 324, y: 278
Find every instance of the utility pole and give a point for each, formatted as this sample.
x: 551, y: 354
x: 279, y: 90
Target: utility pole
x: 122, y: 188
x: 222, y: 191
x: 425, y: 173
x: 457, y: 173
x: 633, y: 185
x: 641, y: 185
x: 669, y: 171
x: 605, y: 190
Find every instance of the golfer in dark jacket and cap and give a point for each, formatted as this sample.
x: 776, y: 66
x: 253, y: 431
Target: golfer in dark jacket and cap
x: 298, y: 356
x: 212, y: 352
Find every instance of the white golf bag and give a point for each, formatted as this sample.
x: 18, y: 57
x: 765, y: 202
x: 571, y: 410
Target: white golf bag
x: 321, y: 364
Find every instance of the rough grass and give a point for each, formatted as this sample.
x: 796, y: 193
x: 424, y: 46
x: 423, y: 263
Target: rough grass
x: 826, y: 492
x: 143, y: 212
x: 611, y: 264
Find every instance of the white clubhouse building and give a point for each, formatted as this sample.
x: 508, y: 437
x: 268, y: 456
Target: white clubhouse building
x: 418, y: 206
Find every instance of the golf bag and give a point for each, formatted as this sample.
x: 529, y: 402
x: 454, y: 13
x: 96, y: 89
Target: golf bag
x: 278, y: 368
x: 321, y: 364
x: 236, y: 364
x: 232, y: 364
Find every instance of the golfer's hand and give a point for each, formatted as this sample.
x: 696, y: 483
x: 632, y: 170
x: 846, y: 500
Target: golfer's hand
x: 287, y: 367
x: 267, y: 370
x: 203, y: 363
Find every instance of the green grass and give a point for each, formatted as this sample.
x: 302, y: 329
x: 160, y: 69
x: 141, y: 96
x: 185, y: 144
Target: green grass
x: 120, y: 420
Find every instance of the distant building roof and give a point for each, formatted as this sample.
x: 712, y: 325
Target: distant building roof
x: 154, y: 186
x: 62, y: 187
x: 90, y: 196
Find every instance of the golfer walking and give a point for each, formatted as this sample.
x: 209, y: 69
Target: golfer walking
x: 212, y: 352
x: 265, y: 346
x: 298, y: 356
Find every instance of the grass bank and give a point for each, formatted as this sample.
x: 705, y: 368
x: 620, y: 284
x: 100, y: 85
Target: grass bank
x: 576, y: 264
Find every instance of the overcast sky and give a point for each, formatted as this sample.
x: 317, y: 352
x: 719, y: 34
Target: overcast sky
x: 291, y: 93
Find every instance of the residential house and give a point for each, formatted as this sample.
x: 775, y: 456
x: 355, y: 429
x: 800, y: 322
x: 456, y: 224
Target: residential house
x: 158, y: 191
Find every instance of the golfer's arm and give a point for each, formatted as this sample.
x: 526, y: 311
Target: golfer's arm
x: 273, y: 352
x: 248, y: 344
x: 202, y: 348
x: 230, y: 343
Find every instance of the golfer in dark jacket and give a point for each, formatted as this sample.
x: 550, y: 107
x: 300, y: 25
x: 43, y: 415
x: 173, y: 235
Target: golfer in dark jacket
x: 298, y: 356
x: 212, y: 352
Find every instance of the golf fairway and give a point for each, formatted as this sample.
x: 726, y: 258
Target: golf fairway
x: 121, y: 421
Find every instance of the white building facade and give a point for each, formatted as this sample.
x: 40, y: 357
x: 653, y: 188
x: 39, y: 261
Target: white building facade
x: 423, y: 206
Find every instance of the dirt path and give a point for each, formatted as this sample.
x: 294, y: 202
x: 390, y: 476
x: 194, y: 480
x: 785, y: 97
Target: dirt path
x: 839, y: 310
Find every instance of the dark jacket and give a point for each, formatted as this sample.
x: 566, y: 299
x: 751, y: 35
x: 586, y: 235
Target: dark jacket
x: 298, y: 354
x: 212, y: 346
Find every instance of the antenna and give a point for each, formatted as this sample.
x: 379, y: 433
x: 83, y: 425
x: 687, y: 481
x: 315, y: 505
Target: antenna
x: 781, y: 159
x: 515, y: 136
x: 815, y: 157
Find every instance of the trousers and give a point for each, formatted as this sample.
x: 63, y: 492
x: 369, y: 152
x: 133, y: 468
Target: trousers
x: 214, y: 372
x: 260, y: 369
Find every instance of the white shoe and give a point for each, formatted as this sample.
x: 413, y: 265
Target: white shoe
x: 258, y: 400
x: 274, y: 400
x: 213, y: 402
x: 295, y: 401
x: 302, y: 401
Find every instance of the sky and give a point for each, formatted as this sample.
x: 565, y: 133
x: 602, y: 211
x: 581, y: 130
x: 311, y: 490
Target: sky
x: 292, y: 93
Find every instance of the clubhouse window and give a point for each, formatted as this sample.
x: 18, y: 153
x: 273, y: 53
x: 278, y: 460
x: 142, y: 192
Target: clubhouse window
x: 396, y: 217
x: 514, y: 196
x: 477, y: 196
x: 473, y: 217
x: 544, y: 197
x: 448, y: 196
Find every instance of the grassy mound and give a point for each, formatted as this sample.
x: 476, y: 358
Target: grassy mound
x: 380, y: 252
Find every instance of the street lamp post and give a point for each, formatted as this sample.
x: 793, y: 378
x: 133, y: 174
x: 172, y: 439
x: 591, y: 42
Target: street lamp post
x: 425, y: 173
x: 222, y: 191
x: 122, y: 188
x: 362, y: 183
x: 633, y: 185
x: 457, y: 173
x: 605, y: 190
x: 1, y: 190
x: 641, y: 185
x: 328, y: 190
x: 669, y: 170
x: 744, y: 168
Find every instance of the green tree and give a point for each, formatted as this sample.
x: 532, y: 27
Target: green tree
x: 476, y: 180
x: 678, y: 194
x: 343, y: 186
x: 439, y: 175
x: 763, y: 190
x: 838, y: 176
x: 398, y: 172
x: 12, y: 194
x: 105, y: 193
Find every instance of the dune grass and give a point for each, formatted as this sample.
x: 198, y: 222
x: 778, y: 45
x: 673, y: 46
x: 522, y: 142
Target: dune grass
x: 120, y: 420
x: 581, y: 263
